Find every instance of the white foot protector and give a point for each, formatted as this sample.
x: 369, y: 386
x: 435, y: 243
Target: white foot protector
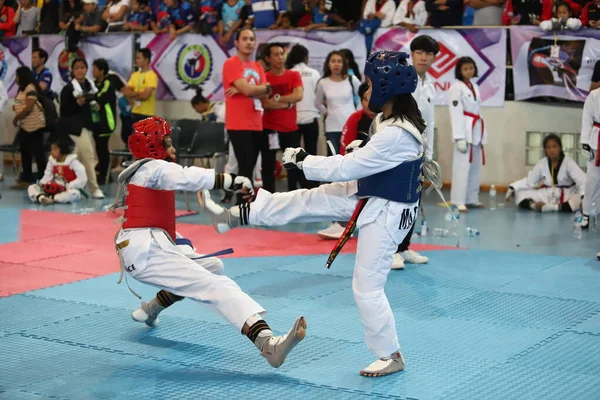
x: 412, y: 257
x: 385, y: 366
x: 549, y: 207
x: 276, y: 349
x: 220, y: 216
x: 143, y: 314
x: 398, y: 262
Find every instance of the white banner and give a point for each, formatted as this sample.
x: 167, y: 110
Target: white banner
x: 195, y: 60
x: 14, y: 53
x: 117, y: 49
x: 487, y: 47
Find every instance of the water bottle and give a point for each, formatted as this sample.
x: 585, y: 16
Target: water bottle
x: 493, y: 200
x: 454, y: 211
x: 423, y: 227
x: 472, y: 231
x: 577, y: 219
x: 593, y: 218
x: 95, y: 113
x: 440, y: 232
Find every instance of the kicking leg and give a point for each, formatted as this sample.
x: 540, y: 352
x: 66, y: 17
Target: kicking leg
x: 148, y: 312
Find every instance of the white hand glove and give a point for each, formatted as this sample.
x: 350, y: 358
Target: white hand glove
x: 354, y: 145
x: 573, y: 23
x: 509, y: 193
x: 293, y: 157
x: 237, y: 183
x: 587, y: 152
x: 462, y: 145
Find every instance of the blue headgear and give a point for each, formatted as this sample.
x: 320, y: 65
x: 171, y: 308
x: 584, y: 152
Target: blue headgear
x: 389, y: 77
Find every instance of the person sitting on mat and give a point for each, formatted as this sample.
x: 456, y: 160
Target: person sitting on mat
x: 64, y: 177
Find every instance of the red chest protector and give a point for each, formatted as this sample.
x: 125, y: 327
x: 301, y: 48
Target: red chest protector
x: 150, y: 208
x: 64, y: 171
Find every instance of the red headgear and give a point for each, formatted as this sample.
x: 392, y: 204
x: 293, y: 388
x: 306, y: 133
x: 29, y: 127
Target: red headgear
x: 146, y: 141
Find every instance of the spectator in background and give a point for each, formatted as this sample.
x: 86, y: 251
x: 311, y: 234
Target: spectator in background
x: 346, y: 13
x: 27, y: 18
x: 49, y: 17
x: 353, y: 69
x: 181, y: 17
x: 114, y: 14
x: 104, y: 115
x: 229, y: 19
x: 91, y: 20
x: 139, y: 18
x: 42, y: 75
x: 532, y: 12
x: 411, y: 15
x: 141, y: 89
x: 445, y: 12
x: 245, y: 83
x: 376, y: 14
x: 487, y: 12
x: 70, y: 11
x: 8, y: 27
x: 208, y: 16
x: 591, y: 15
x: 32, y: 123
x: 358, y: 124
x: 3, y: 100
x: 280, y: 111
x: 319, y: 18
x: 267, y: 13
x: 562, y: 20
x: 286, y: 21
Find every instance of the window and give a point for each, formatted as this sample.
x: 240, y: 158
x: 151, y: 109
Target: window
x: 570, y: 141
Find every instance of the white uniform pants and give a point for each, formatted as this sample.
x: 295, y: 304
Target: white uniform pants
x: 85, y: 153
x: 68, y: 196
x: 592, y: 187
x: 374, y: 254
x: 551, y: 196
x: 167, y: 267
x: 232, y: 165
x: 466, y: 176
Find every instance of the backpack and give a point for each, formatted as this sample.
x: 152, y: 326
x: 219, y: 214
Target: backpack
x: 50, y: 113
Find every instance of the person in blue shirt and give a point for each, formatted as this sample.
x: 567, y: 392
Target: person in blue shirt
x: 42, y: 75
x: 267, y: 13
x: 175, y: 17
x: 139, y: 18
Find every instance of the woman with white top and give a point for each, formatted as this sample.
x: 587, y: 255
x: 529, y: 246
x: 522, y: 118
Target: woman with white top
x: 411, y: 15
x: 335, y: 97
x: 114, y: 14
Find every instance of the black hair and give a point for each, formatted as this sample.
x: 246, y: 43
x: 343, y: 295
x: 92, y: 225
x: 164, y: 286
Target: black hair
x: 555, y: 138
x: 405, y: 107
x: 101, y: 64
x: 142, y: 2
x: 239, y: 32
x: 64, y: 143
x: 42, y: 53
x: 25, y: 78
x: 78, y: 60
x: 425, y: 43
x: 362, y: 89
x: 267, y: 50
x: 298, y: 54
x: 199, y: 97
x: 562, y: 3
x: 327, y: 70
x: 146, y: 53
x: 349, y: 56
x: 464, y: 61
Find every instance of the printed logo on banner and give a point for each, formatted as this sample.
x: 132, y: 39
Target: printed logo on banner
x: 444, y: 62
x: 194, y: 65
x: 558, y: 69
x: 65, y: 58
x: 3, y: 66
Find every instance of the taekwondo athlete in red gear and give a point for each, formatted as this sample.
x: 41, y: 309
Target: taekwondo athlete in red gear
x: 376, y: 187
x: 148, y: 249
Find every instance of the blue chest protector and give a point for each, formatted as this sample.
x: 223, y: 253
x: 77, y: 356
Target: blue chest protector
x: 401, y: 184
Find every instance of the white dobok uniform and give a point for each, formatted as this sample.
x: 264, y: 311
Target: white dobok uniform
x: 566, y: 186
x: 151, y: 256
x: 69, y: 173
x: 590, y: 126
x: 467, y: 124
x: 383, y: 224
x: 425, y: 97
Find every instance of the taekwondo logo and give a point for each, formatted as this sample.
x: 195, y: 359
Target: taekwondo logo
x: 3, y: 66
x: 65, y: 59
x: 444, y: 62
x: 194, y: 65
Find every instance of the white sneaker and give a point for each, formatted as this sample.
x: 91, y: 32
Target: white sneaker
x: 398, y: 262
x: 412, y: 257
x: 585, y: 222
x: 144, y: 314
x: 334, y: 232
x: 385, y: 366
x: 98, y: 194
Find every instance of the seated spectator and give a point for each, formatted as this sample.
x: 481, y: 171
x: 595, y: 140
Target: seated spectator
x: 346, y: 13
x: 208, y: 19
x: 411, y: 14
x: 179, y: 18
x: 139, y: 18
x: 27, y: 17
x: 445, y: 12
x: 377, y: 13
x: 556, y: 183
x: 91, y: 20
x: 115, y: 14
x: 532, y: 12
x: 267, y: 13
x: 8, y: 27
x: 286, y: 21
x: 319, y: 15
x: 64, y: 177
x: 562, y: 20
x: 49, y: 17
x: 229, y: 16
x: 487, y: 12
x: 70, y: 11
x: 591, y: 14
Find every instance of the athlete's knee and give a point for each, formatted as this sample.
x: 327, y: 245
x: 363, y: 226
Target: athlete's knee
x: 213, y: 265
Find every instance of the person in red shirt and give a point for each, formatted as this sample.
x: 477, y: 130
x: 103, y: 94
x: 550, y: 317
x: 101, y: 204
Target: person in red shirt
x: 245, y: 84
x: 279, y: 120
x: 357, y: 125
x: 8, y: 27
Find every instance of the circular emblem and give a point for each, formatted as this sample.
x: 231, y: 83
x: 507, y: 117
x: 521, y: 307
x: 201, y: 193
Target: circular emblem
x: 65, y: 58
x: 3, y: 66
x: 194, y: 64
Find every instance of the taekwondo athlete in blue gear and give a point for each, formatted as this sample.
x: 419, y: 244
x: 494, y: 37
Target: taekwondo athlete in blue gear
x: 366, y: 191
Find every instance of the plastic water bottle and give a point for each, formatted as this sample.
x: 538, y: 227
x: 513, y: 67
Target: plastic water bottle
x: 577, y: 219
x: 95, y: 113
x: 449, y: 213
x: 593, y: 218
x: 423, y: 227
x: 493, y: 200
x: 472, y: 231
x: 440, y: 232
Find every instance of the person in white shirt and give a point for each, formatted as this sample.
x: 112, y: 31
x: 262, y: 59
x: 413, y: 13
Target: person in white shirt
x: 376, y: 14
x: 335, y: 99
x: 469, y: 135
x: 423, y: 50
x: 411, y: 14
x: 3, y: 100
x: 590, y: 143
x: 307, y: 112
